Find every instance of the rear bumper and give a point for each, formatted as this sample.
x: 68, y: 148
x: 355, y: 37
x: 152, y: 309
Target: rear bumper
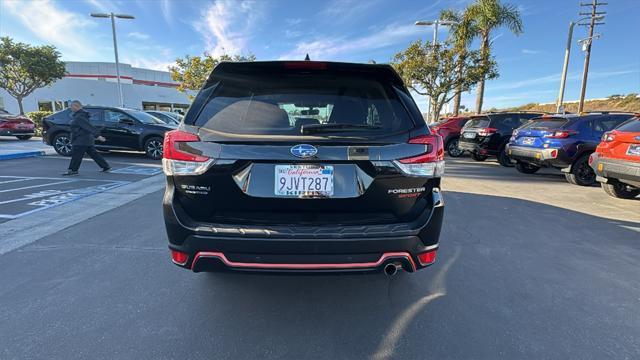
x: 15, y: 132
x: 302, y: 249
x: 553, y: 157
x: 470, y: 146
x: 607, y: 169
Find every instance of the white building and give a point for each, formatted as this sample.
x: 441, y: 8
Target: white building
x: 95, y: 83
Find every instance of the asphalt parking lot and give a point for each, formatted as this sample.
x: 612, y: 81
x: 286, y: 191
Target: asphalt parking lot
x: 529, y: 267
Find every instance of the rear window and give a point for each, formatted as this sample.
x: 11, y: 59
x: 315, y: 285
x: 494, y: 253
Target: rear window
x: 282, y: 104
x: 478, y: 122
x: 632, y: 125
x: 545, y: 123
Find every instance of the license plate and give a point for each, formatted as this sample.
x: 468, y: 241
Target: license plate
x: 304, y: 180
x: 528, y: 140
x: 469, y: 135
x: 23, y: 126
x: 634, y: 150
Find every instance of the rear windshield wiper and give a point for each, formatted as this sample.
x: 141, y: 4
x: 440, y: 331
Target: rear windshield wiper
x: 317, y: 128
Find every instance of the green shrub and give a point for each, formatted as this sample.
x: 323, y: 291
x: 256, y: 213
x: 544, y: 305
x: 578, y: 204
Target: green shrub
x: 36, y: 117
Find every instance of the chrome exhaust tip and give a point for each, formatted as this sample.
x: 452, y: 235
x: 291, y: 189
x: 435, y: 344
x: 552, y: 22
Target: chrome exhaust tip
x: 392, y: 268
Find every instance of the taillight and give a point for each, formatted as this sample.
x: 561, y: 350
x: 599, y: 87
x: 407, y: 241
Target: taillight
x: 428, y: 164
x: 561, y: 134
x: 608, y: 137
x: 486, y: 131
x: 179, y: 162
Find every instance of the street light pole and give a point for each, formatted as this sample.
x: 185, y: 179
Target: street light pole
x: 563, y: 79
x: 115, y: 46
x: 435, y: 24
x: 115, y: 49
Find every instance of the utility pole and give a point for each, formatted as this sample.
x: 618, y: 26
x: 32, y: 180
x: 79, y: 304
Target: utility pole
x: 594, y: 15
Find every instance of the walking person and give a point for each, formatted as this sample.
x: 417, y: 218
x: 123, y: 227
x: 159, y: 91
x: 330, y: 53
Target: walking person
x: 83, y: 136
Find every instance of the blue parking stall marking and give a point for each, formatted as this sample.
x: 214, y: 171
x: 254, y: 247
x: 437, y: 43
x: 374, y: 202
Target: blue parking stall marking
x: 138, y: 170
x: 46, y: 199
x: 39, y: 185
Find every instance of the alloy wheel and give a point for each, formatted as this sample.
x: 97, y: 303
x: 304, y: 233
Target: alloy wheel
x: 63, y: 145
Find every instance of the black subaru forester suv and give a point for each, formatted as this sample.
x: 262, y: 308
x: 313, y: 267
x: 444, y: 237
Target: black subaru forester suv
x: 303, y: 167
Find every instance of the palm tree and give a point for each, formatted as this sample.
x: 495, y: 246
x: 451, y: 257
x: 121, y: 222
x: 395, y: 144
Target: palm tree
x: 461, y: 35
x: 488, y: 15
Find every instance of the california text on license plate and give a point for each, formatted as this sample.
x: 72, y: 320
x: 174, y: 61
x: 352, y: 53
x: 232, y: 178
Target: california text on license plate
x: 633, y: 150
x: 304, y: 180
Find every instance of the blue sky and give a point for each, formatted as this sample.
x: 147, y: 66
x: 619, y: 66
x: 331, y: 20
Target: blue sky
x: 343, y: 30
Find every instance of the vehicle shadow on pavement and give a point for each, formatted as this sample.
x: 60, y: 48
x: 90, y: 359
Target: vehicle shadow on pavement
x: 521, y: 276
x: 514, y: 279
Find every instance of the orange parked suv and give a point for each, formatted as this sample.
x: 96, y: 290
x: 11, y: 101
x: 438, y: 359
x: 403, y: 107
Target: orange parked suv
x: 616, y: 161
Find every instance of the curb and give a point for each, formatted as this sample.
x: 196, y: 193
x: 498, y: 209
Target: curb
x: 24, y: 154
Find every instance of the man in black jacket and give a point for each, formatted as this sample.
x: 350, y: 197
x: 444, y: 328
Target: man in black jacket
x: 83, y: 136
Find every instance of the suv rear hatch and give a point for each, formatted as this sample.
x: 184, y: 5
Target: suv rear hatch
x: 304, y: 143
x: 534, y: 132
x: 477, y: 129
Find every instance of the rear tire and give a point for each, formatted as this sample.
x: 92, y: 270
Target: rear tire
x: 24, y: 137
x: 526, y: 168
x: 504, y: 159
x: 153, y: 147
x: 581, y: 173
x: 477, y: 157
x: 62, y: 144
x: 620, y: 190
x: 452, y: 148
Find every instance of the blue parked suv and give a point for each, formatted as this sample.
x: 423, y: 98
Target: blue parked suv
x: 562, y: 142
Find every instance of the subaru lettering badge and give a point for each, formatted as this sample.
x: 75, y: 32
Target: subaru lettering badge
x: 304, y: 151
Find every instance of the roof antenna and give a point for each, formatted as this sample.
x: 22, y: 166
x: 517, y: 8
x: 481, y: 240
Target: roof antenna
x: 307, y: 58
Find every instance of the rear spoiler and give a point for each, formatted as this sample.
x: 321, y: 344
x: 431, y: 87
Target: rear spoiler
x: 228, y: 68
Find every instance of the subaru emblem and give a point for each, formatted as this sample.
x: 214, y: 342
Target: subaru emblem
x: 304, y: 151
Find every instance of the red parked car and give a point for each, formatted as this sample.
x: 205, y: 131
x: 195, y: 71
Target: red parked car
x: 617, y: 160
x: 19, y: 126
x: 449, y: 129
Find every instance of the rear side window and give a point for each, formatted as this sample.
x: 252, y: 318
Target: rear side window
x: 282, y: 104
x: 546, y: 123
x: 632, y: 125
x: 478, y: 122
x: 608, y: 123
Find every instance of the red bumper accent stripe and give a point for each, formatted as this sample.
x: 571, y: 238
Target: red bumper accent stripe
x: 324, y: 266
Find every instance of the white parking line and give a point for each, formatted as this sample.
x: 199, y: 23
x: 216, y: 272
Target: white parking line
x: 15, y: 180
x: 35, y: 186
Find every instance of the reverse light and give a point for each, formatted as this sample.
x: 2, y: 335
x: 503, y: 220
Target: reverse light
x: 179, y: 162
x: 179, y: 257
x: 486, y: 131
x: 562, y: 134
x: 427, y: 258
x: 428, y: 164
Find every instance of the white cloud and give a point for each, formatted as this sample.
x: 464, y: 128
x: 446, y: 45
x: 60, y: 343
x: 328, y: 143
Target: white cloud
x: 329, y: 48
x: 530, y: 51
x: 226, y: 25
x: 165, y: 8
x: 63, y: 29
x: 138, y: 35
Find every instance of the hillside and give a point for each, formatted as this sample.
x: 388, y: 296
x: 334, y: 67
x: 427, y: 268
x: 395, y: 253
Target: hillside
x: 629, y: 103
